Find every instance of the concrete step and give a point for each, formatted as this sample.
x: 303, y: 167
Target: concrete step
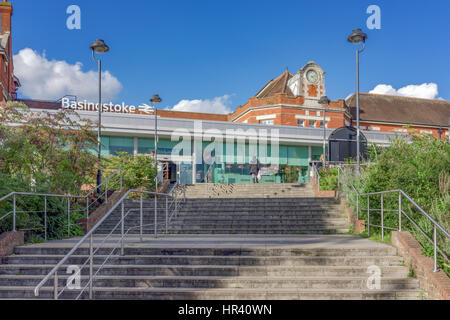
x: 217, y: 294
x: 211, y: 260
x: 213, y: 251
x: 214, y: 270
x: 241, y: 282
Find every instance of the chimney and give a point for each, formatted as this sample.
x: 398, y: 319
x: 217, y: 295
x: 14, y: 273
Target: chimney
x: 6, y: 12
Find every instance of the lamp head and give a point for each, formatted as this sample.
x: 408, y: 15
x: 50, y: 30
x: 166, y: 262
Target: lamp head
x: 324, y: 100
x: 99, y: 46
x: 357, y: 36
x: 155, y: 99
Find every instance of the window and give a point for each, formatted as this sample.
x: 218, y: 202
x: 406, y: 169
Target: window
x: 320, y: 124
x: 312, y: 124
x: 267, y: 122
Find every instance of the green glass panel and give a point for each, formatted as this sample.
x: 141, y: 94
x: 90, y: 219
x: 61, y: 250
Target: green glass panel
x: 104, y: 146
x: 283, y: 155
x: 121, y: 144
x: 298, y: 156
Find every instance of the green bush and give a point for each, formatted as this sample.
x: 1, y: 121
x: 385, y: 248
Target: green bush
x: 47, y: 153
x: 328, y: 179
x: 139, y: 171
x: 421, y: 168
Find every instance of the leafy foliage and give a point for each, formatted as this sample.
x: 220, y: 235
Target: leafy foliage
x: 421, y: 168
x: 139, y: 171
x: 44, y: 152
x: 328, y: 179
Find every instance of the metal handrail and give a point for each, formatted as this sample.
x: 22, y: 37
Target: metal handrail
x: 89, y: 235
x: 14, y: 195
x: 436, y: 225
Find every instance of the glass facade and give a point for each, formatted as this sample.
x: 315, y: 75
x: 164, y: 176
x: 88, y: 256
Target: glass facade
x: 231, y: 167
x: 113, y: 145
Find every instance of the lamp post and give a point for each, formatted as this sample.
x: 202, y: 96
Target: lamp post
x: 99, y: 47
x: 356, y: 37
x: 324, y: 101
x: 154, y: 101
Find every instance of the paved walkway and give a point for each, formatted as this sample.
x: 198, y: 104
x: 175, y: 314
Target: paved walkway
x: 231, y: 241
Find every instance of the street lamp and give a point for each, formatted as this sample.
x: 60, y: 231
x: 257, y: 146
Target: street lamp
x: 154, y: 101
x: 356, y: 37
x: 324, y: 101
x: 99, y: 47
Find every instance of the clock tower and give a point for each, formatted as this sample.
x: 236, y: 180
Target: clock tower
x: 309, y: 82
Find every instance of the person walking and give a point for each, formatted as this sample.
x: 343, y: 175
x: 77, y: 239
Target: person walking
x: 254, y: 169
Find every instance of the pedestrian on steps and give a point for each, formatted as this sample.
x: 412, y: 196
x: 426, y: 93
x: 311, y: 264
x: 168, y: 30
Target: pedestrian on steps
x: 254, y: 169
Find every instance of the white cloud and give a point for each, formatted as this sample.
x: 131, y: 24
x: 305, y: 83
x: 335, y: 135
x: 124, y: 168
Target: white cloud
x: 217, y: 105
x: 50, y: 80
x: 425, y: 90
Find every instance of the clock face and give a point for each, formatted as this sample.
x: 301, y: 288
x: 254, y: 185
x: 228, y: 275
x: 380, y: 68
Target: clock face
x: 312, y: 76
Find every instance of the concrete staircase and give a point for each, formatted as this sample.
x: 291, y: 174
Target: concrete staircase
x: 258, y: 209
x: 240, y: 209
x: 238, y: 242
x: 218, y: 267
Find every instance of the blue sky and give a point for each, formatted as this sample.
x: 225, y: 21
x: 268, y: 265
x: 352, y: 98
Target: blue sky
x: 207, y: 49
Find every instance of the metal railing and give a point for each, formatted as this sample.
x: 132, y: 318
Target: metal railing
x: 401, y: 211
x: 95, y: 196
x: 171, y: 206
x: 333, y: 165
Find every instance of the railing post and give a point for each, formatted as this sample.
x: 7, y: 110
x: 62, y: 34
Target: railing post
x: 318, y: 179
x: 400, y: 211
x: 55, y: 286
x: 106, y: 191
x: 141, y: 218
x: 87, y: 207
x: 436, y: 269
x: 357, y: 206
x: 14, y: 213
x: 68, y: 217
x: 368, y: 216
x: 339, y: 177
x: 45, y: 218
x: 91, y: 266
x: 122, y: 228
x: 176, y: 205
x: 156, y: 216
x: 382, y: 217
x: 167, y: 214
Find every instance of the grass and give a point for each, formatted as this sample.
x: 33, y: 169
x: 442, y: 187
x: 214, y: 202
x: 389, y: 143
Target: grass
x: 34, y: 240
x: 411, y: 272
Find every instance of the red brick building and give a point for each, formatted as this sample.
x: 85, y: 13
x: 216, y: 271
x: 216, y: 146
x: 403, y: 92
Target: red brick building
x: 292, y: 100
x: 8, y: 82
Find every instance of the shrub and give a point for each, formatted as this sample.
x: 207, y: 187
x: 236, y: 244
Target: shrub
x: 419, y: 167
x: 139, y: 171
x: 44, y: 152
x: 328, y: 179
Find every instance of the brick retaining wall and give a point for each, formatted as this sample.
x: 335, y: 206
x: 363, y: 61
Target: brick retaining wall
x: 10, y: 240
x: 437, y: 284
